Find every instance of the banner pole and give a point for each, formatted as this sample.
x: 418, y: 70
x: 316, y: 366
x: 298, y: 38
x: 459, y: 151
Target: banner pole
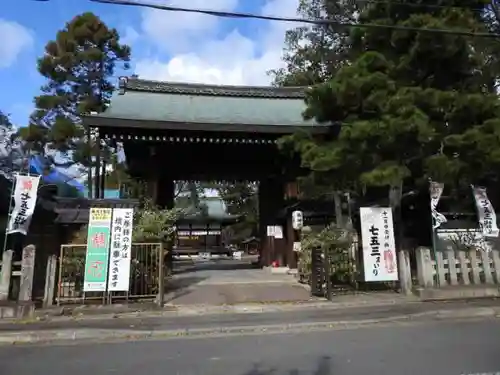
x: 433, y: 235
x: 9, y: 216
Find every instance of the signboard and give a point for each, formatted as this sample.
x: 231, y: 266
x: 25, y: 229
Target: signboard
x: 275, y: 231
x: 96, y: 260
x: 379, y: 249
x: 24, y: 196
x: 121, y: 250
x: 485, y: 212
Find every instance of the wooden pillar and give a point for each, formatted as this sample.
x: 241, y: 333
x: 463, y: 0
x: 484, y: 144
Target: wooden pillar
x: 165, y: 192
x: 291, y: 235
x: 97, y: 177
x: 271, y: 200
x: 103, y: 178
x: 152, y: 188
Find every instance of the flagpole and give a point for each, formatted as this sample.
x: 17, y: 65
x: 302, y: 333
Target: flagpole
x: 9, y: 216
x: 433, y: 234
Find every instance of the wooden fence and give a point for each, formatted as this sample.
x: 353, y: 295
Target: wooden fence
x: 478, y: 266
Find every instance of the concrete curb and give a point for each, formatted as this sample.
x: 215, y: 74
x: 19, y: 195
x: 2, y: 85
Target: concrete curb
x: 280, y: 307
x: 92, y: 335
x: 196, y: 310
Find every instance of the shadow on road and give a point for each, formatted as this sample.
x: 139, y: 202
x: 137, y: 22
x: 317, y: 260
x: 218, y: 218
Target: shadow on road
x: 181, y: 287
x: 323, y: 368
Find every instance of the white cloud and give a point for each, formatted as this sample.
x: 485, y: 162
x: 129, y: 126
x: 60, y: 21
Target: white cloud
x: 201, y: 54
x: 15, y: 39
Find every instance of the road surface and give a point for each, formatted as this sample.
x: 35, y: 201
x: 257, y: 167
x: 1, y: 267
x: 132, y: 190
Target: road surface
x: 444, y: 348
x: 322, y: 315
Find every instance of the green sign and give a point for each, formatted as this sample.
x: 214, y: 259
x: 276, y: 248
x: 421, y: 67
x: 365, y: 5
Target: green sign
x: 96, y: 260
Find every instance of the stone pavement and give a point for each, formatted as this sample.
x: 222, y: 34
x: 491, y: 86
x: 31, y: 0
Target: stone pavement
x: 232, y: 282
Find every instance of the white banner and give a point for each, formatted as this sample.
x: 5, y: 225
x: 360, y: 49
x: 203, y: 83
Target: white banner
x: 436, y: 190
x: 198, y: 233
x: 120, y: 250
x: 379, y: 248
x: 25, y: 194
x: 485, y: 212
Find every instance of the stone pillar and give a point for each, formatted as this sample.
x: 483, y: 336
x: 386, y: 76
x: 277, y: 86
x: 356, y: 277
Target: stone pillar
x: 27, y: 271
x: 50, y: 281
x: 405, y: 272
x: 424, y: 267
x: 6, y: 274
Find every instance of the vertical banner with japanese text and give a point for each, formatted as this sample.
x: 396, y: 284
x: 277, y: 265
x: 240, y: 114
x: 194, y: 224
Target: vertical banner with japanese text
x: 485, y: 212
x: 96, y: 260
x: 436, y: 190
x: 379, y: 248
x: 121, y: 250
x: 24, y: 196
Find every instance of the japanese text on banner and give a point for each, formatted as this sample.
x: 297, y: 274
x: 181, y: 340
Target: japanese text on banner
x: 486, y: 213
x: 24, y: 196
x: 96, y: 260
x: 379, y: 250
x: 121, y: 250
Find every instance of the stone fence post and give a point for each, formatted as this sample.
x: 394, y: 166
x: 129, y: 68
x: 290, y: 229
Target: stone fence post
x: 27, y: 271
x: 6, y: 274
x: 425, y: 270
x: 50, y: 281
x: 405, y: 280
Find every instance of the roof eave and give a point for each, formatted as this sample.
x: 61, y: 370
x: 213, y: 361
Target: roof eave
x: 111, y: 122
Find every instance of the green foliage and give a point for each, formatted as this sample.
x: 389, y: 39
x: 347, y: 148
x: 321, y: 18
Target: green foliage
x: 241, y: 198
x: 335, y: 244
x: 314, y: 53
x: 408, y: 105
x: 79, y: 66
x: 153, y: 224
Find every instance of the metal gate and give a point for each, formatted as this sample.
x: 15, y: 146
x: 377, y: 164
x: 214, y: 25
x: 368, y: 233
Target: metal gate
x: 147, y: 271
x: 337, y: 273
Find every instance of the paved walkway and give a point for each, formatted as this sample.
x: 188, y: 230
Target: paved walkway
x: 219, y: 282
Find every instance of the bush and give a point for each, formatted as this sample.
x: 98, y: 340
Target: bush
x: 151, y: 224
x: 336, y: 245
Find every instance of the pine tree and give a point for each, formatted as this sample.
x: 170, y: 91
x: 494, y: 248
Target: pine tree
x: 79, y: 67
x: 410, y: 105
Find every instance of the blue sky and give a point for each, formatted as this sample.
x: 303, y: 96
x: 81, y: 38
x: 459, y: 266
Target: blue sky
x: 165, y: 46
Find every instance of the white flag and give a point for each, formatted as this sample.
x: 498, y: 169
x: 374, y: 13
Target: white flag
x: 436, y: 190
x: 25, y: 194
x: 485, y: 212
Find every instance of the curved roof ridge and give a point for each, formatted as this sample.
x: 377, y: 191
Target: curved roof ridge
x: 184, y: 88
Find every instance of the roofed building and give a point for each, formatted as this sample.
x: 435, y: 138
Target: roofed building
x: 178, y: 131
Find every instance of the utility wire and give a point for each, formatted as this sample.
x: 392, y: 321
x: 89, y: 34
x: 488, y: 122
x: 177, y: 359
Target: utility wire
x: 296, y: 19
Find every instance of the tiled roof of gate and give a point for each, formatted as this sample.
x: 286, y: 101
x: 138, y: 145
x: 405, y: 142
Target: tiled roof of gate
x: 209, y: 104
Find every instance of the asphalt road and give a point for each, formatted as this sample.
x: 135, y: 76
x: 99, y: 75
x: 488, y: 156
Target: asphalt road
x: 250, y: 319
x: 444, y: 348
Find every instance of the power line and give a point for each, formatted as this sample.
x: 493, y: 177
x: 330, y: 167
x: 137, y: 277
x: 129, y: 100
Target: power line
x: 296, y: 19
